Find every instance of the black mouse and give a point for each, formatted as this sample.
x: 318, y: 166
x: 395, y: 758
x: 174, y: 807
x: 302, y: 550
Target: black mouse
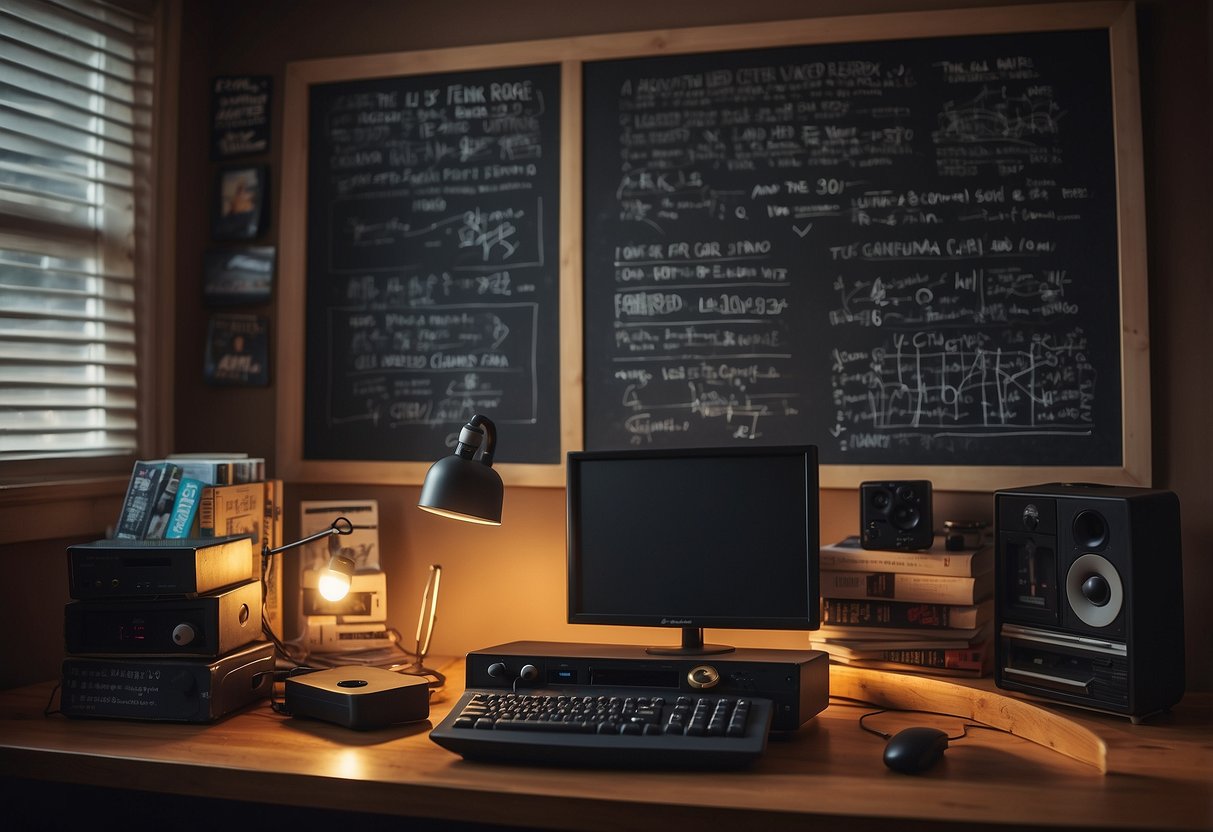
x: 914, y: 750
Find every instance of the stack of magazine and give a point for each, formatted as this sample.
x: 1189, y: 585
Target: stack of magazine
x: 926, y: 612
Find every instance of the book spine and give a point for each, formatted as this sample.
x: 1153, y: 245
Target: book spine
x: 893, y: 586
x: 149, y: 500
x: 959, y: 564
x: 210, y: 473
x: 189, y: 493
x: 964, y: 659
x: 233, y: 509
x: 273, y: 570
x: 864, y: 613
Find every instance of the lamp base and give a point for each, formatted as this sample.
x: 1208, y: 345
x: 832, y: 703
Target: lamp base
x: 362, y: 698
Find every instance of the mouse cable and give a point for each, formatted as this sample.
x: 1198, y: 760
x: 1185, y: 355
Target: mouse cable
x: 965, y: 726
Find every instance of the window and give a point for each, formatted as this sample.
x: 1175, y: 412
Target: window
x: 76, y: 187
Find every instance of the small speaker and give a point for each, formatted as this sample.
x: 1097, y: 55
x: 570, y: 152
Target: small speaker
x: 896, y: 515
x: 1089, y: 599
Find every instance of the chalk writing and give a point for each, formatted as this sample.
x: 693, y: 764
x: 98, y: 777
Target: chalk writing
x: 903, y: 252
x: 431, y: 292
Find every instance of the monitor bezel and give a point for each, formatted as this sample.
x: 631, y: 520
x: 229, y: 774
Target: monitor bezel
x: 812, y: 539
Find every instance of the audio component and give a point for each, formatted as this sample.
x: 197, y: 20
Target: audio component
x: 366, y: 600
x: 359, y: 697
x: 143, y: 568
x: 166, y: 690
x: 1089, y: 599
x: 203, y: 625
x: 896, y: 515
x: 335, y: 638
x: 797, y: 681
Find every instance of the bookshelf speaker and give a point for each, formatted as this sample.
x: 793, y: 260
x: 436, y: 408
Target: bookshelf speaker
x: 1089, y: 596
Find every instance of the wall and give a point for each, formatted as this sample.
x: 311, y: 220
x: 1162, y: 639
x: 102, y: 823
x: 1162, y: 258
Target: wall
x: 507, y: 583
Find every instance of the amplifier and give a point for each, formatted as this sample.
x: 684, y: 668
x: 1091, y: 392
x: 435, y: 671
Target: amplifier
x: 797, y: 681
x: 144, y: 568
x: 203, y: 625
x: 167, y: 690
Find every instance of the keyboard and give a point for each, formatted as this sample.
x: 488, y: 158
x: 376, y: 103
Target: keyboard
x: 606, y: 727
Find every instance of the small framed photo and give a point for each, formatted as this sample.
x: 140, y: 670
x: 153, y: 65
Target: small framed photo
x: 237, y: 351
x: 240, y: 200
x: 242, y: 275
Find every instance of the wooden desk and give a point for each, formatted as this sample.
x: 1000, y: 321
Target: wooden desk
x: 829, y: 775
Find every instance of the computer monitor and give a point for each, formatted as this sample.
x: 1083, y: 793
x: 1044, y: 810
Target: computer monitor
x: 722, y: 537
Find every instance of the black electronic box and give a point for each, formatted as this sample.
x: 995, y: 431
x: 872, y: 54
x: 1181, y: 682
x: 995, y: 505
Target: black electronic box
x: 796, y: 681
x: 166, y: 689
x: 201, y: 625
x: 145, y: 568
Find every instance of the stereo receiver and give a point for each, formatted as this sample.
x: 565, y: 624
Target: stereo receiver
x: 166, y: 690
x: 204, y: 625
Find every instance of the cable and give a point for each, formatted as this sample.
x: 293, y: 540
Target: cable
x: 964, y: 725
x: 50, y: 701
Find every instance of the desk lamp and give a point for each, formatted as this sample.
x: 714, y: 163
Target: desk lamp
x: 334, y: 583
x: 462, y: 487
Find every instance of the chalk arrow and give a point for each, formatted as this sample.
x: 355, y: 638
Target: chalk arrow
x: 801, y: 232
x: 836, y: 431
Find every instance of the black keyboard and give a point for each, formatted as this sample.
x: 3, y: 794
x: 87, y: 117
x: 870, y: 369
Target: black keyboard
x: 597, y: 727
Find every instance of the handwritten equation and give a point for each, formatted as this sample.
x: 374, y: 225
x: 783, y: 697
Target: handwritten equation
x: 431, y: 293
x: 892, y: 251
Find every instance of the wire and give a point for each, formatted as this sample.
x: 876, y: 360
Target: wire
x: 965, y: 726
x: 50, y: 701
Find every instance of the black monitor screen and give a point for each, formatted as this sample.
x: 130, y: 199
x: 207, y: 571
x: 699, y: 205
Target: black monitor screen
x: 694, y: 538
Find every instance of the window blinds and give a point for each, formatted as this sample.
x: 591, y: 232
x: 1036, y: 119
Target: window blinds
x: 75, y: 127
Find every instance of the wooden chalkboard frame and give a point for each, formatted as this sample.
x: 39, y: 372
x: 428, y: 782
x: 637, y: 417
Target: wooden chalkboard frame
x: 1118, y: 18
x: 293, y: 264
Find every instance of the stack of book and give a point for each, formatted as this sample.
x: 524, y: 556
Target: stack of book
x: 927, y: 612
x: 190, y: 496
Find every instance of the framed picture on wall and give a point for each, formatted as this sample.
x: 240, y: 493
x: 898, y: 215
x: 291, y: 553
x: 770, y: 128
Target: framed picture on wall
x: 237, y: 351
x: 240, y: 194
x: 240, y: 275
x: 240, y: 115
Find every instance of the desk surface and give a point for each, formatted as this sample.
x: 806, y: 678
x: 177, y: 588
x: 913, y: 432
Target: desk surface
x: 1160, y: 774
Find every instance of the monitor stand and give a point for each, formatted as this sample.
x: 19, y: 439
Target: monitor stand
x: 692, y: 645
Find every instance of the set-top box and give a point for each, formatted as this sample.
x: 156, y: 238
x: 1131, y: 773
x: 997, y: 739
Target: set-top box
x: 147, y: 568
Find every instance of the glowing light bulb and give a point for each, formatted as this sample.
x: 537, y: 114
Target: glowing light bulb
x: 334, y: 582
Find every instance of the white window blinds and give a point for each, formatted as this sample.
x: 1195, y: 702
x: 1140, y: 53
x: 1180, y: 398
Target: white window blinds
x: 75, y: 128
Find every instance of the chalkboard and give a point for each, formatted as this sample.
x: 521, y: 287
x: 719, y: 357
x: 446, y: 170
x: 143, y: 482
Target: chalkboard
x: 903, y: 252
x: 914, y: 239
x: 432, y: 268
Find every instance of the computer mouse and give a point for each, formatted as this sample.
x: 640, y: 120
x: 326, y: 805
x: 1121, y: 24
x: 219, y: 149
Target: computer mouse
x: 914, y: 750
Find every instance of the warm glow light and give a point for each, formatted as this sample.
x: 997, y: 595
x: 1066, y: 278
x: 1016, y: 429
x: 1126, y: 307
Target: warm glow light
x: 333, y: 586
x: 334, y: 582
x: 467, y: 518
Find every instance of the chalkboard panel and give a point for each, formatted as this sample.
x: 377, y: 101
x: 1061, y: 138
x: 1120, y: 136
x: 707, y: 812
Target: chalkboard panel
x: 905, y: 252
x: 432, y: 264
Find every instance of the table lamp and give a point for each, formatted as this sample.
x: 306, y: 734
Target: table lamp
x: 462, y: 486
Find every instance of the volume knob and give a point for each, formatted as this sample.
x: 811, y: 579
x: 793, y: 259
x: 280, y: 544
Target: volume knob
x: 184, y: 634
x: 702, y: 677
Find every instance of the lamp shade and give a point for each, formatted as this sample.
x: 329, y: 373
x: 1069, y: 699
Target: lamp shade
x: 464, y: 489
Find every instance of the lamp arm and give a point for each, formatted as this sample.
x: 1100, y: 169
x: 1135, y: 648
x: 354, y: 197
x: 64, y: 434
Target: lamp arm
x: 341, y: 525
x: 490, y: 437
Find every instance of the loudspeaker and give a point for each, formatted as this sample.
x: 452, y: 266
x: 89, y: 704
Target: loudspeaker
x: 1089, y: 596
x: 896, y: 515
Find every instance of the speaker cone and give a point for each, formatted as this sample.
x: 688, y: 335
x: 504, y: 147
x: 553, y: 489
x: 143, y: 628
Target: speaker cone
x: 1094, y: 590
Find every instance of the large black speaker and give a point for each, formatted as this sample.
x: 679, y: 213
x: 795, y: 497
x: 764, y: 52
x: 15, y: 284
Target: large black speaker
x: 1089, y: 604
